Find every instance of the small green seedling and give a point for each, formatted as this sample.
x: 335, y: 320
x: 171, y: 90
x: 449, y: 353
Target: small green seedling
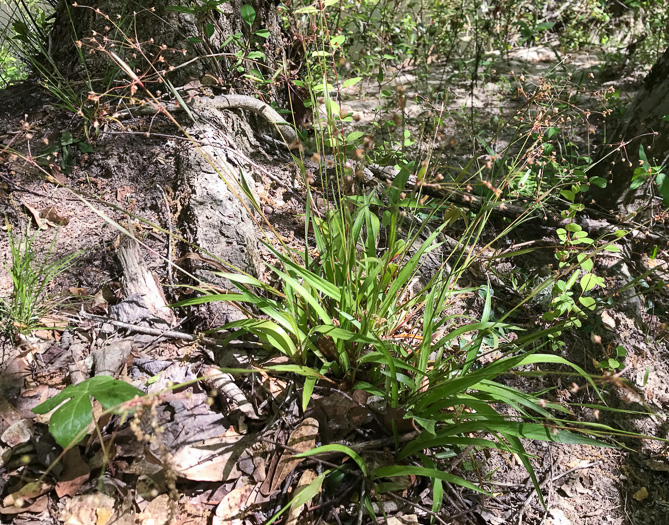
x: 612, y: 364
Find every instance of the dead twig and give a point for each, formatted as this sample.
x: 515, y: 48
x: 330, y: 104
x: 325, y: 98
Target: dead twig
x: 171, y: 334
x: 170, y: 278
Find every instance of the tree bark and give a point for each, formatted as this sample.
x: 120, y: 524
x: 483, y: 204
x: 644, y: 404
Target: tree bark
x: 642, y: 125
x: 129, y: 46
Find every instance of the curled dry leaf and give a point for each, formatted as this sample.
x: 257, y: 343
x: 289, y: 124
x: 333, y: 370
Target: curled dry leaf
x: 52, y: 217
x: 18, y: 433
x: 57, y: 176
x: 37, y: 507
x: 36, y: 215
x: 29, y: 491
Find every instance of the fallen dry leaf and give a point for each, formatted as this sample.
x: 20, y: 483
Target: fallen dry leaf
x: 641, y: 494
x: 99, y: 304
x: 39, y: 506
x: 157, y: 512
x: 18, y: 433
x: 307, y: 477
x: 213, y: 460
x: 233, y: 504
x: 28, y: 491
x: 75, y: 473
x: 608, y: 321
x: 52, y: 217
x: 36, y: 215
x: 91, y: 509
x: 57, y: 176
x: 301, y: 440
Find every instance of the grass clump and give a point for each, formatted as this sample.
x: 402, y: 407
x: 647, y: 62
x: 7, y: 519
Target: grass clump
x: 31, y: 274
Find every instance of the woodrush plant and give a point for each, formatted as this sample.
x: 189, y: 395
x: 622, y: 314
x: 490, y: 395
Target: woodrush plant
x: 341, y: 313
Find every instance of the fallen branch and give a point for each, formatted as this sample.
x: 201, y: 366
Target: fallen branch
x: 594, y: 227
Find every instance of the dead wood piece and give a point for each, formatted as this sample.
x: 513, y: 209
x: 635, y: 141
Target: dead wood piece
x: 110, y: 358
x: 77, y: 368
x: 138, y: 280
x: 224, y: 384
x: 230, y: 359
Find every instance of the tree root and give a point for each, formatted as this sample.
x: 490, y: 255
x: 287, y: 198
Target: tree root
x: 245, y: 102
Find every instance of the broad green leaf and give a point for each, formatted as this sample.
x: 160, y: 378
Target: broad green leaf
x: 663, y: 186
x: 353, y: 136
x: 351, y: 82
x: 589, y: 281
x: 588, y: 302
x: 586, y: 263
x: 598, y: 181
x: 70, y: 420
x: 551, y: 132
x: 248, y: 14
x: 642, y: 154
x: 337, y: 40
x: 568, y: 194
x: 308, y: 10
